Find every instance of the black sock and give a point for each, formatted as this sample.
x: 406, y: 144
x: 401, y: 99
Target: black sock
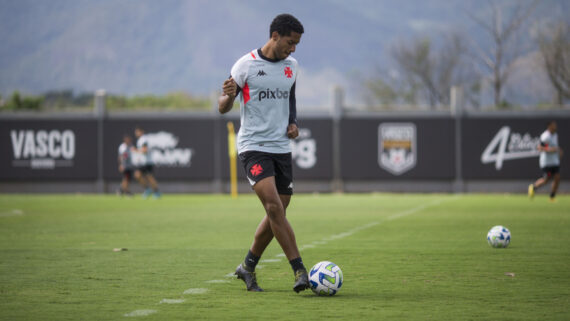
x: 250, y: 261
x: 297, y: 264
x: 552, y: 194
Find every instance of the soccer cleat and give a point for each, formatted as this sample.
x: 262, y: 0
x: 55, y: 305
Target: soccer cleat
x: 249, y: 279
x: 531, y: 191
x: 552, y: 200
x: 146, y: 193
x: 301, y: 281
x: 121, y: 192
x: 156, y: 195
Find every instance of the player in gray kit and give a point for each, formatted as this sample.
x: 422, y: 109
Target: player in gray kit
x: 265, y: 78
x: 549, y: 161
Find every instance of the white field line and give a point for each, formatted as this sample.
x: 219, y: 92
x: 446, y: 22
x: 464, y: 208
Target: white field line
x: 357, y: 229
x: 195, y: 291
x: 218, y: 281
x: 269, y: 261
x: 140, y: 313
x: 172, y: 301
x: 420, y: 208
x: 14, y: 212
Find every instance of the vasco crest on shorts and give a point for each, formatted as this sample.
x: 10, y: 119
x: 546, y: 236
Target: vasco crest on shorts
x: 397, y: 147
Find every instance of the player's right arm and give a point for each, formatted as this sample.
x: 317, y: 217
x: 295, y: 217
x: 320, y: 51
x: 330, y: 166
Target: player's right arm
x: 233, y: 85
x: 543, y: 147
x: 229, y: 93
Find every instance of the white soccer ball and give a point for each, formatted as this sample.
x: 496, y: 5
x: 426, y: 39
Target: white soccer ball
x: 499, y: 236
x: 325, y: 278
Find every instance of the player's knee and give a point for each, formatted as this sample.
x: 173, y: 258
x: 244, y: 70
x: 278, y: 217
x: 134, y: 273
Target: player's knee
x: 273, y: 209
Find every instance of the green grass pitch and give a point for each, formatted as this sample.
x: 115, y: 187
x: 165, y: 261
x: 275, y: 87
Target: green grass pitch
x: 404, y: 257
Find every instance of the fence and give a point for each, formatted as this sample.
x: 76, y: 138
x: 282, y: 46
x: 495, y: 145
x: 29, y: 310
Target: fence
x: 423, y: 152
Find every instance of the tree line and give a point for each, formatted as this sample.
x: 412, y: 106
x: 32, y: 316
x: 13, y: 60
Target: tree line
x: 59, y: 100
x: 425, y: 68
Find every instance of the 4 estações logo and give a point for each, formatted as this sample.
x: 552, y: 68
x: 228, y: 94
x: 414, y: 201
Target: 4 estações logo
x: 397, y: 147
x: 509, y: 146
x: 43, y: 149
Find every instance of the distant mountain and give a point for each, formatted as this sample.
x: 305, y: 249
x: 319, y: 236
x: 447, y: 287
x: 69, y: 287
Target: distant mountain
x: 144, y: 46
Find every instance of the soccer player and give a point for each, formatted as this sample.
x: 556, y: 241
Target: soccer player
x: 144, y: 172
x: 549, y: 161
x: 266, y: 78
x: 125, y: 164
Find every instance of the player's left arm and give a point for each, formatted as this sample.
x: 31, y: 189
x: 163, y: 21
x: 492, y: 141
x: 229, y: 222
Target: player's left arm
x: 292, y: 129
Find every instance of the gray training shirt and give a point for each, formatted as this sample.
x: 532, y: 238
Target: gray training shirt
x: 267, y: 102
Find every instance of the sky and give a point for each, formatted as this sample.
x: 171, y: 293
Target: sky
x: 136, y: 47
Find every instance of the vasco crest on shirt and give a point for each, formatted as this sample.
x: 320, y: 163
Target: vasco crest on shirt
x: 397, y: 147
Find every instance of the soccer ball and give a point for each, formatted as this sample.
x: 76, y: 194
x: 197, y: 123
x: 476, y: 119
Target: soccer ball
x: 325, y: 278
x: 499, y: 236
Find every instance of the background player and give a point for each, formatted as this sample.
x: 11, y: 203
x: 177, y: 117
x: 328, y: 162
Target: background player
x: 549, y: 161
x: 144, y: 172
x: 126, y: 164
x: 266, y: 79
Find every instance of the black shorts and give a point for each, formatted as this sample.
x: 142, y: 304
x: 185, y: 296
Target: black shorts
x: 146, y: 169
x: 260, y: 165
x: 128, y: 173
x: 549, y: 171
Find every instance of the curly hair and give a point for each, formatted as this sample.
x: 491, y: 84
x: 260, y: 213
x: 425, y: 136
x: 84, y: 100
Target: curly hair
x: 284, y: 24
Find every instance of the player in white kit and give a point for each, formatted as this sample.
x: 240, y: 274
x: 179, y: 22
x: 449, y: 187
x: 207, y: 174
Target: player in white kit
x: 266, y: 79
x: 549, y: 160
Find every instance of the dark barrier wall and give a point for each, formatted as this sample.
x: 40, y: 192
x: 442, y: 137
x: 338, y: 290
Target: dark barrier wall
x: 391, y: 148
x: 48, y: 149
x: 182, y: 148
x: 371, y: 148
x: 507, y: 148
x: 311, y: 151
